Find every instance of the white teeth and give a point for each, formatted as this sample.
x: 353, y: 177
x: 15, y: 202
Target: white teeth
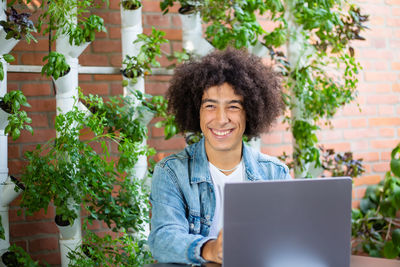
x: 221, y: 133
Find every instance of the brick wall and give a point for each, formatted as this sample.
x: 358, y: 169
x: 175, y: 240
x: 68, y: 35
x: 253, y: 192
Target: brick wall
x: 370, y: 133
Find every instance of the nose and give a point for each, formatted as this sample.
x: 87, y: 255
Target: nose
x: 222, y: 116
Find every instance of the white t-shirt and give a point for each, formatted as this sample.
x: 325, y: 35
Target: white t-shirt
x: 219, y: 180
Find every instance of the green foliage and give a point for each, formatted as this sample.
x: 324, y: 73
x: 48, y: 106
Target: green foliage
x: 85, y: 30
x: 2, y: 233
x: 18, y: 119
x: 7, y: 58
x: 18, y: 26
x: 146, y: 58
x: 23, y: 258
x: 131, y: 4
x: 375, y: 226
x: 126, y: 250
x: 56, y: 65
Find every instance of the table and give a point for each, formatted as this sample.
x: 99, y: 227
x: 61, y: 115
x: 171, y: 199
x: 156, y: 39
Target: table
x: 356, y: 261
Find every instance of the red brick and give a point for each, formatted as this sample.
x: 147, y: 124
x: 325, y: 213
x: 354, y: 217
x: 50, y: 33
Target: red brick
x: 386, y: 156
x: 385, y: 110
x: 100, y: 35
x: 157, y: 20
x: 176, y: 22
x: 41, y: 45
x: 102, y: 46
x: 43, y: 244
x: 355, y: 204
x: 95, y: 88
x: 116, y: 60
x: 367, y: 156
x: 360, y: 192
x: 387, y: 132
x: 113, y: 77
x: 394, y: 43
x: 272, y: 138
x: 277, y: 150
x: 380, y: 76
x: 14, y: 217
x: 42, y: 215
x: 394, y: 22
x: 393, y: 2
x: 85, y: 77
x: 340, y: 123
x: 36, y: 89
x: 396, y: 65
x: 382, y: 144
x: 114, y: 32
x: 113, y: 17
x: 381, y: 167
x: 377, y: 54
x: 94, y: 226
x: 157, y: 132
x: 170, y: 34
x: 360, y: 145
x: 116, y: 89
x: 93, y: 60
x: 359, y: 133
x: 391, y: 121
x: 20, y: 76
x: 175, y: 143
x: 39, y: 120
x: 159, y: 156
x: 35, y: 58
x: 366, y: 180
x: 32, y: 229
x: 13, y: 151
x: 156, y: 88
x: 357, y: 123
x: 16, y: 167
x: 38, y: 105
x: 151, y: 6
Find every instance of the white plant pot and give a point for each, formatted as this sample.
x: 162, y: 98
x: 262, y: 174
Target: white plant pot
x: 6, y: 45
x: 3, y: 119
x: 131, y: 18
x: 8, y: 193
x: 134, y: 86
x: 192, y: 36
x: 3, y: 160
x: 63, y: 46
x: 67, y: 246
x: 129, y: 35
x: 69, y: 81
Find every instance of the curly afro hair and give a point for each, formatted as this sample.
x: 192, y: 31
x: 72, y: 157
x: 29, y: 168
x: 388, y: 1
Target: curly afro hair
x: 259, y: 85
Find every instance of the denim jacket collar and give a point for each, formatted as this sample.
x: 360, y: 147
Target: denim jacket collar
x: 200, y: 171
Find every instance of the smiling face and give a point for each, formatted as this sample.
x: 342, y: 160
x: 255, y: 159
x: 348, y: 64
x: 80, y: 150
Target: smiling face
x: 222, y: 120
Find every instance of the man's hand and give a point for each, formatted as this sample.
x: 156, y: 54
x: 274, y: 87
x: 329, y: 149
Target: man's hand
x: 212, y: 249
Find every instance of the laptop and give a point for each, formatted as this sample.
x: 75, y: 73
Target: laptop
x: 288, y: 223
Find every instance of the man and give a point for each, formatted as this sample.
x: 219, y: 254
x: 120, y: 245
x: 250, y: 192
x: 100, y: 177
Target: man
x: 225, y: 95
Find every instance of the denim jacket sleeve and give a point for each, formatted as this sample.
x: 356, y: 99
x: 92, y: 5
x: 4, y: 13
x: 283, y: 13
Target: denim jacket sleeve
x: 170, y: 240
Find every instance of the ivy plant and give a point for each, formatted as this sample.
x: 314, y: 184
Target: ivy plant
x: 56, y: 65
x: 18, y: 119
x: 18, y: 26
x: 375, y: 225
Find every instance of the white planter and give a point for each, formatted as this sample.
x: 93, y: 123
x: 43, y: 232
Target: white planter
x: 134, y: 86
x: 3, y: 161
x: 192, y: 36
x: 131, y: 18
x: 69, y: 81
x: 6, y: 45
x: 63, y: 46
x: 129, y: 35
x: 3, y: 119
x: 8, y: 193
x: 67, y: 246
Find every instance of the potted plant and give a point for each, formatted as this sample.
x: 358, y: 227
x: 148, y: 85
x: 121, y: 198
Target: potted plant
x: 68, y: 170
x: 16, y: 27
x: 376, y: 225
x: 80, y: 35
x: 131, y: 13
x: 12, y: 118
x: 56, y: 65
x: 135, y: 66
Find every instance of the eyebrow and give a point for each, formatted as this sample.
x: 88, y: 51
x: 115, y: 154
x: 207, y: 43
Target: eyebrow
x: 215, y: 101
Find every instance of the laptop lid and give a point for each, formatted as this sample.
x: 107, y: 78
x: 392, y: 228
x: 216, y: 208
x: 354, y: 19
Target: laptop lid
x: 286, y: 223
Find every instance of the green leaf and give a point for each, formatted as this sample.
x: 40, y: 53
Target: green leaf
x: 396, y: 237
x: 9, y: 58
x: 390, y: 251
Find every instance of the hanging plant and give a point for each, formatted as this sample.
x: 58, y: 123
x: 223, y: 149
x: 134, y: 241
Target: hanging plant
x: 18, y: 26
x: 18, y: 119
x: 56, y: 65
x: 131, y: 4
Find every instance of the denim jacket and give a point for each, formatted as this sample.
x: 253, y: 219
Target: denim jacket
x: 183, y: 200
